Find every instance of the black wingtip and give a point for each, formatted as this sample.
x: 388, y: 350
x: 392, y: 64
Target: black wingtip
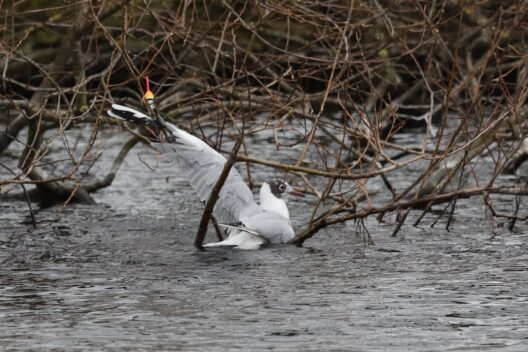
x: 128, y: 114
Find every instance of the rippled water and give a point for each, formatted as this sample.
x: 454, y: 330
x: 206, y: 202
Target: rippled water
x: 123, y: 275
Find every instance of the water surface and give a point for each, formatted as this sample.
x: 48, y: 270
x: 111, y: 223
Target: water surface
x: 123, y: 275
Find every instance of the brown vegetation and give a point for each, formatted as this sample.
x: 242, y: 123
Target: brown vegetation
x: 353, y: 72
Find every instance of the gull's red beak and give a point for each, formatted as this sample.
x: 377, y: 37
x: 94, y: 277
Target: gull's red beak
x: 297, y: 193
x: 293, y: 192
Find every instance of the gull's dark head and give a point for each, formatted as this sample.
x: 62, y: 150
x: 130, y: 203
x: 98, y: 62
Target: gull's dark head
x: 278, y: 187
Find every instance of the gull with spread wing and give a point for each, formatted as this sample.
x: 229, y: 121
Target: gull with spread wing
x: 250, y: 224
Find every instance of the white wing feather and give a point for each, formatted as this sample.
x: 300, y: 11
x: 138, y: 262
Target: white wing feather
x: 202, y: 166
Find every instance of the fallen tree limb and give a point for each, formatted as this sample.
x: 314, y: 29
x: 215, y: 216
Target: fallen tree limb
x: 433, y: 199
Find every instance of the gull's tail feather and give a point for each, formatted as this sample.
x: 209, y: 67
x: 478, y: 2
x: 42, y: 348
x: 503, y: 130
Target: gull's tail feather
x: 240, y: 227
x: 241, y: 240
x: 125, y: 113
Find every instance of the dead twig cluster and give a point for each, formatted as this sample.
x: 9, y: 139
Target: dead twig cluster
x: 336, y: 83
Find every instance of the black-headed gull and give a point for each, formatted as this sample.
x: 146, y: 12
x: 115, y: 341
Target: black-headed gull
x: 251, y: 225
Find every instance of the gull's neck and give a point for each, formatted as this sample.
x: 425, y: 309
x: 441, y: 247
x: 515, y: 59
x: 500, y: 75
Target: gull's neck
x: 269, y: 202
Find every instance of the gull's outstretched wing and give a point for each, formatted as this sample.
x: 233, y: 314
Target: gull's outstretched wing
x: 202, y: 166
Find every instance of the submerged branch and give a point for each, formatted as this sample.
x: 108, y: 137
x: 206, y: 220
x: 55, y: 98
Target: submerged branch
x: 433, y: 199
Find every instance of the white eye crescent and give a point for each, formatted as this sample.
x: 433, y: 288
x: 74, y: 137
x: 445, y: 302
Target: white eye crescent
x: 282, y: 187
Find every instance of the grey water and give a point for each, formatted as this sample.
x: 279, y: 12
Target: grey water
x: 123, y: 275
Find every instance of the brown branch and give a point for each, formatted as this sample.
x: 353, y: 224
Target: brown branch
x: 12, y: 130
x: 328, y: 174
x: 213, y: 197
x: 109, y: 178
x: 435, y: 199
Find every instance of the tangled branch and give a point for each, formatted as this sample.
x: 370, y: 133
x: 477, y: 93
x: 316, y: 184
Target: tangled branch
x: 357, y: 93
